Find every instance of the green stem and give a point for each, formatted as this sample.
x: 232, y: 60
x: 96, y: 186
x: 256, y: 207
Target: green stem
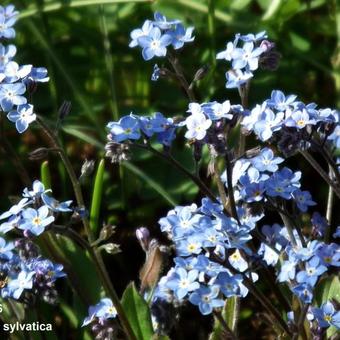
x: 95, y: 254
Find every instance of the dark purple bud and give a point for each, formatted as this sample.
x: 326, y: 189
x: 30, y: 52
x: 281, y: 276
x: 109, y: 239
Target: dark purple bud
x: 64, y: 109
x: 38, y: 154
x: 143, y: 236
x: 267, y: 45
x: 201, y: 72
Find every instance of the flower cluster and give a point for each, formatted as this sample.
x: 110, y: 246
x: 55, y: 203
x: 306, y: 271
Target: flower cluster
x: 34, y: 212
x: 246, y: 59
x: 24, y: 272
x: 205, y: 239
x: 216, y: 256
x: 157, y: 35
x: 133, y: 127
x: 292, y: 122
x: 15, y: 79
x: 100, y: 317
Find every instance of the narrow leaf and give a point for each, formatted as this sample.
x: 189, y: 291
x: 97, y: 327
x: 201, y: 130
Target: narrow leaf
x: 45, y: 175
x: 137, y: 312
x: 97, y: 197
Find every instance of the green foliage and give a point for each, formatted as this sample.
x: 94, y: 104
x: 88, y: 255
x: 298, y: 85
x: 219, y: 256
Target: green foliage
x: 137, y: 312
x: 97, y: 197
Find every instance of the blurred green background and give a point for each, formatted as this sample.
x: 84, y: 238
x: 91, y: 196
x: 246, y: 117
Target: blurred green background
x: 84, y: 46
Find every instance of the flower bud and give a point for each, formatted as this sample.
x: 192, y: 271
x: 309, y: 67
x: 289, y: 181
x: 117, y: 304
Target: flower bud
x: 143, y: 236
x: 86, y: 169
x: 38, y: 154
x: 64, y: 109
x: 111, y: 248
x: 106, y: 232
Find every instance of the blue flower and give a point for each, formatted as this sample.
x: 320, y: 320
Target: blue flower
x: 304, y: 292
x: 235, y: 78
x: 55, y: 205
x: 216, y: 111
x: 11, y: 94
x: 253, y: 37
x: 206, y: 298
x: 163, y: 23
x: 279, y: 101
x: 248, y: 57
x: 337, y: 232
x: 22, y: 117
x: 103, y: 310
x: 126, y: 128
x: 140, y: 32
x: 227, y: 54
x: 299, y: 119
x: 5, y: 249
x: 266, y: 161
x: 303, y: 199
x: 326, y: 315
x: 23, y: 281
x: 189, y: 246
x: 335, y: 136
x: 6, y: 55
x: 15, y: 209
x: 237, y: 261
x: 37, y: 75
x: 229, y: 285
x: 313, y: 270
x: 7, y: 19
x: 267, y: 123
x: 183, y: 282
x: 319, y: 223
x: 154, y: 44
x: 197, y: 125
x: 181, y: 35
x: 329, y: 254
x: 288, y: 270
x: 35, y: 221
x: 13, y: 72
x: 270, y: 256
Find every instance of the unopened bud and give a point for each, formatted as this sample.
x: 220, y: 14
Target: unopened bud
x: 38, y: 154
x: 106, y: 232
x: 201, y: 72
x: 111, y: 248
x: 86, y: 169
x: 143, y: 236
x: 64, y: 109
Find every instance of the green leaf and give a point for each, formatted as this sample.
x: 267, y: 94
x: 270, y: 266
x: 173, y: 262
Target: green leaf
x: 230, y: 315
x: 272, y: 9
x: 240, y: 4
x: 97, y: 197
x: 299, y: 42
x: 137, y: 312
x: 45, y: 175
